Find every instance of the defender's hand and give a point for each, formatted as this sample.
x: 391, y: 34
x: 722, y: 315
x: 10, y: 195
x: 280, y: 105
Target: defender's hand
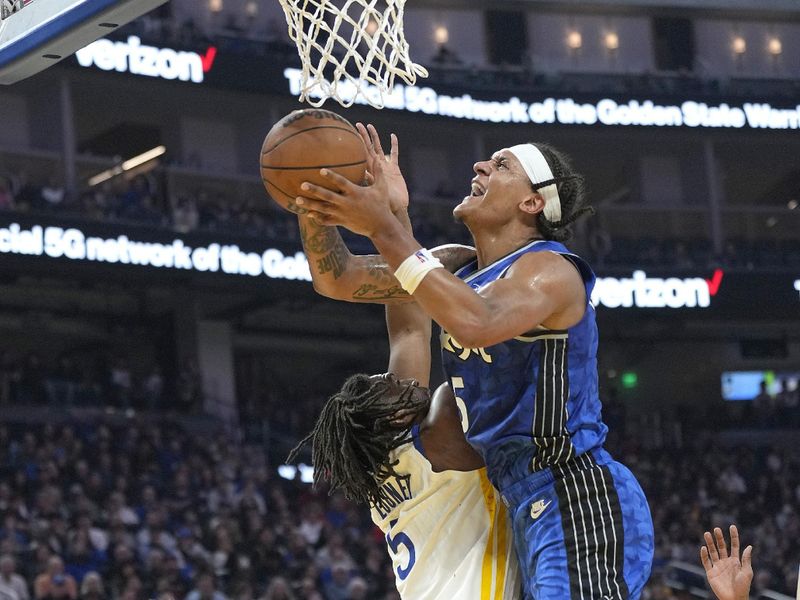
x: 728, y: 577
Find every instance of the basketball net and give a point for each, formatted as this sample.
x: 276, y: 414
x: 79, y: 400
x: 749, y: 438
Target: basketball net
x: 351, y: 54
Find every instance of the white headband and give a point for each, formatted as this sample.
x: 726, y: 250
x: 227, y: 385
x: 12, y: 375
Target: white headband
x: 537, y: 170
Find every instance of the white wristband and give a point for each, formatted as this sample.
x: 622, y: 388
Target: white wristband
x: 412, y: 270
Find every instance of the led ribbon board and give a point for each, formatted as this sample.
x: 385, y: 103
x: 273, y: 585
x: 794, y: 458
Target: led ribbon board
x: 568, y: 111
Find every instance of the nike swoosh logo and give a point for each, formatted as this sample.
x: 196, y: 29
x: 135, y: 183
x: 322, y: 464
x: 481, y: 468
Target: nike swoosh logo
x: 538, y: 508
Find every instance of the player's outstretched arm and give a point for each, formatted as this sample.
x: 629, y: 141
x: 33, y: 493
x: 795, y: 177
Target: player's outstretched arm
x: 540, y: 289
x: 729, y: 577
x: 339, y: 274
x: 409, y: 329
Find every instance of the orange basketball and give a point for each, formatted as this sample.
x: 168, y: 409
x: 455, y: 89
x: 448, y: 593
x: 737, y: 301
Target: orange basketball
x: 302, y: 143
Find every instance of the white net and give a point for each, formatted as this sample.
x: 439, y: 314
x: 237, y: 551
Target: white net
x: 351, y: 52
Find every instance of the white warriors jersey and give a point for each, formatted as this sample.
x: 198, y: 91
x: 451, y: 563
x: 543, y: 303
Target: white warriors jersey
x: 448, y: 533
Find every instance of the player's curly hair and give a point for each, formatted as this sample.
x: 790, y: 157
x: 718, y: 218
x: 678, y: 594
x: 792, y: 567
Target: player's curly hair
x: 354, y: 435
x: 571, y: 191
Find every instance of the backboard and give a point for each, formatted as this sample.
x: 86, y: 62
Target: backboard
x: 35, y: 34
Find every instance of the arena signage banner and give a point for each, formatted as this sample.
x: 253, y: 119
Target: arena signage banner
x: 131, y: 56
x: 568, y: 111
x: 74, y: 244
x: 642, y: 291
x: 29, y: 240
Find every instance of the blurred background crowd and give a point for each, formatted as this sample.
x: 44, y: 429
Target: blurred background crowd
x: 138, y: 509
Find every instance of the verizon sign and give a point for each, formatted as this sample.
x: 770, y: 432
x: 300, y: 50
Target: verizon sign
x: 136, y: 58
x: 641, y: 291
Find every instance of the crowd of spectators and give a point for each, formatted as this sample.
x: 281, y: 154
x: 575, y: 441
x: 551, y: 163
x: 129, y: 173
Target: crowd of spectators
x: 237, y: 29
x: 95, y: 380
x: 143, y: 511
x: 146, y: 200
x: 697, y: 253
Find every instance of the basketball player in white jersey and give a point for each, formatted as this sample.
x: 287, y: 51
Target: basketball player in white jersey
x: 384, y: 440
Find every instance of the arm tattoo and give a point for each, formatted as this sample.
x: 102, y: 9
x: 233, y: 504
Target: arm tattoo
x: 378, y: 269
x: 336, y: 260
x: 321, y: 240
x: 369, y: 291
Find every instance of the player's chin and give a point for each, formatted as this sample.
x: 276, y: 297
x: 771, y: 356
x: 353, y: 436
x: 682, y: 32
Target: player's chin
x: 460, y: 211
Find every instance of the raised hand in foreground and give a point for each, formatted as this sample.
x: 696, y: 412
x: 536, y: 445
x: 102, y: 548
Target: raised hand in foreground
x: 728, y: 577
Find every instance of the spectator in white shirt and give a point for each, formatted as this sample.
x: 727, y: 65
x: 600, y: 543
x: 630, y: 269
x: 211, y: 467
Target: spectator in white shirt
x: 10, y: 578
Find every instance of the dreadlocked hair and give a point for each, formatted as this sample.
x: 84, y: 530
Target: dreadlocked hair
x: 354, y: 435
x: 571, y: 191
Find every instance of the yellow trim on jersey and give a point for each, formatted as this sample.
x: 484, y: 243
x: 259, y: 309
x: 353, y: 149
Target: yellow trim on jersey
x: 493, y: 568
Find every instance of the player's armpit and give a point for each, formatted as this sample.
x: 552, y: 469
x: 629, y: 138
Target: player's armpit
x: 442, y: 437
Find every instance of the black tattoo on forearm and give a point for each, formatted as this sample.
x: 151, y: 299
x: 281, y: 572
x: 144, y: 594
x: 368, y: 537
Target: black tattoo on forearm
x: 321, y: 240
x: 336, y: 260
x: 378, y: 269
x: 372, y: 292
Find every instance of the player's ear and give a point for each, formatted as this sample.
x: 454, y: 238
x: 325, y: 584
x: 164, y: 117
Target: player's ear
x: 532, y: 204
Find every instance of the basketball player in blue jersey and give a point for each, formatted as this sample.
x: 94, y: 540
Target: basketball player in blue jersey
x: 519, y: 344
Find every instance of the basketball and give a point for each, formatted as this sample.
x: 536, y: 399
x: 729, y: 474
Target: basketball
x: 301, y: 144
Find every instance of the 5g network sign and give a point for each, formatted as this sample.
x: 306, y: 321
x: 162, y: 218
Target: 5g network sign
x: 72, y: 243
x: 641, y: 291
x: 133, y: 57
x: 568, y: 111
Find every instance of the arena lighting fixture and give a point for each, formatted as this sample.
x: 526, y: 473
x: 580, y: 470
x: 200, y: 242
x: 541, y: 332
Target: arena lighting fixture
x: 774, y: 46
x: 792, y: 204
x: 215, y: 6
x: 739, y: 45
x: 251, y: 8
x: 611, y: 40
x: 574, y: 40
x: 129, y: 164
x: 441, y: 35
x: 372, y: 26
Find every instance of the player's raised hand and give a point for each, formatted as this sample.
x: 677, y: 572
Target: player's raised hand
x: 362, y: 210
x: 728, y: 577
x: 398, y: 190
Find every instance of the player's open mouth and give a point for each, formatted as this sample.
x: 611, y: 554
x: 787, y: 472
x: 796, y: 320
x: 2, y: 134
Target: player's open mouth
x: 476, y: 190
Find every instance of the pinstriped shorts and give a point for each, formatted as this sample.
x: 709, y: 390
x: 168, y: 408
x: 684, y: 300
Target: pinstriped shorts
x: 582, y: 530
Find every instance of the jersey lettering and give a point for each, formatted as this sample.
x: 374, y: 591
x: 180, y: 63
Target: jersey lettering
x: 399, y: 490
x: 451, y: 344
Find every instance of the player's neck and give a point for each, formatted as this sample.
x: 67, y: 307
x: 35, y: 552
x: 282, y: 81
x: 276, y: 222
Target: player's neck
x: 494, y: 245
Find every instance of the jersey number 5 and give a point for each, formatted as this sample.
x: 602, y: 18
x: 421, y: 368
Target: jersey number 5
x: 401, y: 539
x: 458, y: 384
